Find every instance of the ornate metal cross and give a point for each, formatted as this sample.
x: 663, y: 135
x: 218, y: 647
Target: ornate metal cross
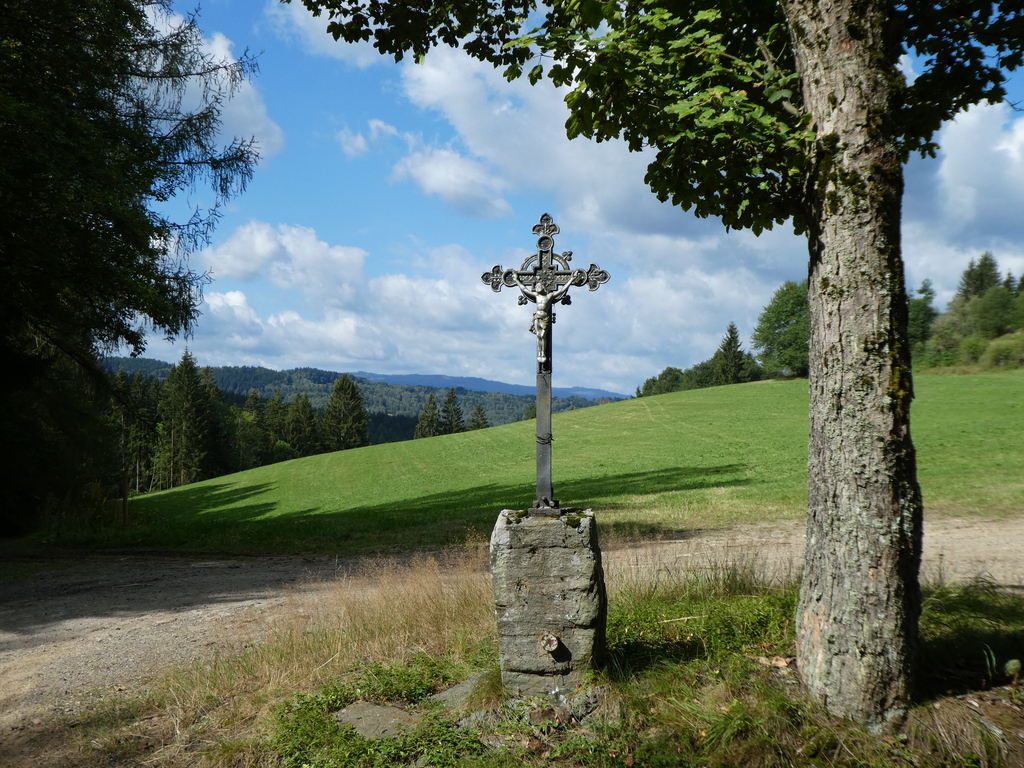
x: 544, y: 279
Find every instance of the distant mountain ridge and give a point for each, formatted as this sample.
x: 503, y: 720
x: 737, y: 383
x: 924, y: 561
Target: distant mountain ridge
x: 474, y: 384
x: 391, y: 395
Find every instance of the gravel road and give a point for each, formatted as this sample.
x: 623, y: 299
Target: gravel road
x: 109, y: 623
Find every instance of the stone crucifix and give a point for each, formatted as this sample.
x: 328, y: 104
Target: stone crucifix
x: 544, y: 279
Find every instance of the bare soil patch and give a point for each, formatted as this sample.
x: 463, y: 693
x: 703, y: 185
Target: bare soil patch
x: 111, y: 623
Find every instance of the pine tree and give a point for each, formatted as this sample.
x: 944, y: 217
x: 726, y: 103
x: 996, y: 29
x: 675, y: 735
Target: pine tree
x: 108, y: 111
x: 144, y: 395
x: 220, y: 458
x: 922, y: 314
x: 184, y: 412
x: 252, y: 446
x: 344, y: 423
x: 253, y: 405
x: 478, y: 419
x: 995, y: 313
x: 979, y: 277
x: 730, y: 364
x: 452, y: 420
x: 300, y: 426
x: 728, y: 360
x: 121, y: 418
x: 429, y: 424
x: 274, y: 414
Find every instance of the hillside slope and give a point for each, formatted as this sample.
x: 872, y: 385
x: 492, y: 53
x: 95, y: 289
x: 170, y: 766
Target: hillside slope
x: 658, y: 465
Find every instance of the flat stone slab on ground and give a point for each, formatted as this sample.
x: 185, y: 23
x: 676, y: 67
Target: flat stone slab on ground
x: 376, y: 721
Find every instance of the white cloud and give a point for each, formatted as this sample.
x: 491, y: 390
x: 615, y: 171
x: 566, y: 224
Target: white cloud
x: 980, y: 175
x: 231, y: 308
x: 242, y: 116
x: 379, y: 128
x: 459, y: 181
x: 245, y: 114
x: 291, y: 258
x: 968, y: 200
x: 439, y: 318
x: 908, y: 67
x: 293, y: 23
x: 352, y: 144
x: 435, y: 314
x: 517, y: 132
x: 245, y: 253
x: 677, y: 281
x: 330, y: 275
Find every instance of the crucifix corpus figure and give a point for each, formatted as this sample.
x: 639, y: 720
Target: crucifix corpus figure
x: 544, y: 279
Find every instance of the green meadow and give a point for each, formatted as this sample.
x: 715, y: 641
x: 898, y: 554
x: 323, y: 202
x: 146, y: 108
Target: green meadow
x: 651, y: 466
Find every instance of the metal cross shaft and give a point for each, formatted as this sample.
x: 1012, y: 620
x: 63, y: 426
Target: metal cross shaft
x: 544, y: 279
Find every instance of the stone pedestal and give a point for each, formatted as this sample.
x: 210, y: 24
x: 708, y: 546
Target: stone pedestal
x: 549, y: 598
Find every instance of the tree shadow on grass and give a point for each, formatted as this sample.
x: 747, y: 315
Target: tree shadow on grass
x: 968, y: 633
x: 203, y: 498
x: 223, y: 516
x: 626, y: 660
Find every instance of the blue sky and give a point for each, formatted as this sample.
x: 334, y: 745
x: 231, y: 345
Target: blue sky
x: 385, y: 190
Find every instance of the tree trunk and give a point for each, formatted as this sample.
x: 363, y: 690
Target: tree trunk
x: 860, y: 597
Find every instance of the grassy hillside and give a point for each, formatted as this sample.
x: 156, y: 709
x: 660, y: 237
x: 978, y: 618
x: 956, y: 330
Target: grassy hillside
x: 696, y: 459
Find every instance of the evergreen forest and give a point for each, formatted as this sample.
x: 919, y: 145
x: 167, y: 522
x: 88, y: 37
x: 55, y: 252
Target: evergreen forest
x: 177, y: 424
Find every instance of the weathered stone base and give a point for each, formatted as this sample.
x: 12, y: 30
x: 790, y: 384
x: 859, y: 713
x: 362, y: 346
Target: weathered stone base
x: 549, y: 598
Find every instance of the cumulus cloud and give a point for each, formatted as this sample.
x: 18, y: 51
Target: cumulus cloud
x: 231, y: 308
x: 245, y: 114
x: 352, y: 144
x: 289, y: 257
x: 677, y: 281
x: 293, y: 23
x: 968, y: 200
x: 436, y: 317
x: 459, y: 181
x: 242, y: 116
x: 435, y: 314
x: 517, y: 131
x: 981, y: 170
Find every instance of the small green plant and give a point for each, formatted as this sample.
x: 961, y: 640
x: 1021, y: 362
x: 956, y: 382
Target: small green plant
x: 409, y: 682
x: 990, y: 664
x: 1012, y: 668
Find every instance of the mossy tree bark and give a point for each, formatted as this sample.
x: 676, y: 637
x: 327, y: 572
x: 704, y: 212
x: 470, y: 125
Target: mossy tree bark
x: 860, y: 598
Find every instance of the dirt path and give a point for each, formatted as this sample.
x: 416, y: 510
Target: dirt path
x: 110, y: 623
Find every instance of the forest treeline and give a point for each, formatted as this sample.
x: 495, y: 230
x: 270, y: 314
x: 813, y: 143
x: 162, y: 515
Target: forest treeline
x: 981, y: 328
x: 177, y: 424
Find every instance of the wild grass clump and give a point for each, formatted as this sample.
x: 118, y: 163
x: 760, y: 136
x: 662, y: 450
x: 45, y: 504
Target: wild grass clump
x: 395, y: 629
x: 700, y: 672
x: 969, y: 631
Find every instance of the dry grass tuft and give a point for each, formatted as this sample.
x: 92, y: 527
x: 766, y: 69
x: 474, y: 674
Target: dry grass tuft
x: 385, y: 612
x: 957, y: 734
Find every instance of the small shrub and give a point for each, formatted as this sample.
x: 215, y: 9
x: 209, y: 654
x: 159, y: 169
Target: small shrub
x: 1006, y: 352
x: 971, y: 349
